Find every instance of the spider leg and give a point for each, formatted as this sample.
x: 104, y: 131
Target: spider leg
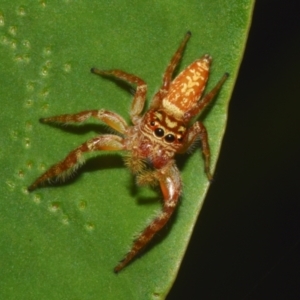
x: 74, y: 158
x: 170, y: 184
x: 140, y: 93
x: 110, y: 118
x: 198, y: 130
x: 202, y: 103
x: 167, y: 78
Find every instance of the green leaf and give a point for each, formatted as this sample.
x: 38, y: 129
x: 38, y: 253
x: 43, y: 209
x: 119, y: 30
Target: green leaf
x: 63, y: 241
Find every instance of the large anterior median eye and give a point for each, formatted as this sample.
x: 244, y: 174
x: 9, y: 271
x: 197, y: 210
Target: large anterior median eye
x: 170, y: 138
x: 159, y: 132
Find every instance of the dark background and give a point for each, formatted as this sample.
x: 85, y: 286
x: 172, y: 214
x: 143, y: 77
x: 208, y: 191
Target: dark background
x: 246, y: 244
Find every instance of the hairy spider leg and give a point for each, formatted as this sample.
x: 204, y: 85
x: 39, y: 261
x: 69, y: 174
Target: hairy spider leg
x: 167, y: 78
x: 174, y: 62
x: 74, y: 158
x: 198, y: 130
x: 112, y: 119
x: 203, y: 102
x: 140, y: 93
x: 170, y: 184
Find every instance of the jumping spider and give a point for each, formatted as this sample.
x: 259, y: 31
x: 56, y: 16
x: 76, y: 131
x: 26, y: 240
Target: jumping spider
x: 155, y: 137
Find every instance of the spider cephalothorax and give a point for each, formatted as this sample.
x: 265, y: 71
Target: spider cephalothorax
x: 154, y: 138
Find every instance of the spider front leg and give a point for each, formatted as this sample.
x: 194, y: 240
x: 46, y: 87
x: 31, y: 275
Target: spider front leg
x: 74, y: 158
x: 170, y: 184
x: 140, y: 93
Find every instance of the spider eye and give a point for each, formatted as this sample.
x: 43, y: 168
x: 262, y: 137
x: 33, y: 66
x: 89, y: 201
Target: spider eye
x: 159, y: 132
x: 152, y: 123
x: 170, y: 138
